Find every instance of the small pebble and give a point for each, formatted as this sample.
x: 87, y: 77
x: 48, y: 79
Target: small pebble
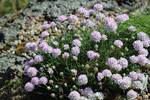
x: 145, y: 97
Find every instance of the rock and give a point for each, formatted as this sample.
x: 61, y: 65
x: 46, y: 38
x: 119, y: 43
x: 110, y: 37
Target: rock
x: 139, y: 98
x: 145, y: 97
x: 35, y: 38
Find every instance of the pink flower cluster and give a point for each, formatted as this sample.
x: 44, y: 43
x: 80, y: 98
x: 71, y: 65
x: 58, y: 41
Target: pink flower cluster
x: 52, y: 24
x: 118, y: 43
x: 90, y: 23
x: 82, y: 79
x: 43, y: 46
x: 44, y: 34
x: 74, y: 95
x: 76, y: 42
x: 137, y: 45
x: 142, y: 36
x: 73, y: 18
x: 96, y: 36
x: 38, y: 58
x: 31, y: 71
x: 122, y: 18
x: 46, y: 26
x: 31, y: 46
x: 110, y: 24
x: 92, y: 55
x: 100, y: 16
x: 75, y: 50
x: 98, y: 7
x: 56, y: 53
x: 131, y: 95
x: 132, y: 28
x: 62, y: 18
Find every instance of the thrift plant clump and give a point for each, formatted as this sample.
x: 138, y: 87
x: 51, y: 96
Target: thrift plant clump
x: 89, y: 58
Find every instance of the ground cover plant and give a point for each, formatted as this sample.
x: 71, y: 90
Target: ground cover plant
x: 90, y: 57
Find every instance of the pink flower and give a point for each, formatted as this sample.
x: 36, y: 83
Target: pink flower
x: 100, y: 76
x: 104, y: 37
x: 56, y: 53
x: 108, y: 20
x: 131, y: 95
x: 74, y: 72
x: 133, y: 75
x: 74, y: 95
x: 118, y: 67
x: 141, y: 76
x: 50, y: 71
x: 35, y: 80
x: 132, y: 28
x: 91, y: 54
x: 116, y: 77
x: 75, y: 58
x: 32, y: 71
x: 91, y: 12
x: 137, y: 45
x: 31, y: 62
x: 38, y: 58
x: 43, y: 80
x: 81, y: 11
x: 98, y: 7
x: 143, y: 52
x: 90, y: 24
x: 123, y: 62
x: 100, y: 16
x: 76, y: 42
x: 87, y: 92
x: 41, y: 69
x: 73, y: 18
x: 125, y: 83
x: 112, y: 26
x: 107, y: 73
x: 142, y: 60
x: 71, y: 26
x: 82, y: 79
x: 146, y: 43
x: 62, y: 18
x: 46, y: 26
x: 41, y: 45
x: 53, y: 24
x: 96, y: 36
x: 47, y: 49
x: 118, y: 43
x: 97, y: 55
x: 26, y: 67
x: 31, y: 46
x: 133, y: 59
x: 55, y: 43
x: 142, y: 36
x: 65, y: 55
x: 112, y: 62
x: 122, y: 18
x: 75, y: 50
x: 137, y: 84
x: 29, y: 87
x: 66, y: 46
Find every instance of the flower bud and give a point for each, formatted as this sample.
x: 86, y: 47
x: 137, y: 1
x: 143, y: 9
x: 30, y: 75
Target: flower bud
x: 126, y: 49
x: 73, y: 78
x: 60, y: 89
x: 61, y: 97
x: 65, y: 84
x: 55, y: 29
x: 124, y: 74
x: 133, y: 37
x: 52, y: 95
x: 87, y: 66
x: 96, y: 47
x: 56, y: 86
x: 51, y: 81
x: 95, y: 69
x: 112, y: 47
x: 121, y: 53
x: 82, y: 65
x: 147, y: 65
x: 48, y: 87
x: 61, y: 73
x: 53, y: 67
x: 126, y: 39
x: 96, y: 64
x: 74, y: 87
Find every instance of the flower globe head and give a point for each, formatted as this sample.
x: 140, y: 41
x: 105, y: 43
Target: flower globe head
x: 91, y: 54
x: 90, y: 24
x: 74, y: 95
x: 142, y: 60
x: 116, y: 78
x: 112, y: 62
x: 42, y: 45
x: 141, y: 77
x: 91, y: 12
x: 50, y: 71
x: 132, y: 28
x: 104, y: 37
x: 44, y: 34
x: 62, y: 18
x: 142, y: 36
x: 118, y: 43
x: 73, y: 18
x: 47, y: 49
x: 87, y: 91
x: 122, y: 18
x: 96, y: 36
x: 66, y: 46
x: 65, y: 55
x: 74, y: 72
x: 75, y: 50
x: 133, y: 75
x: 108, y: 20
x: 82, y: 79
x: 137, y: 45
x: 131, y: 95
x: 43, y: 80
x: 143, y: 52
x: 137, y: 84
x: 52, y: 95
x: 123, y: 62
x: 100, y: 16
x: 46, y: 26
x: 146, y: 43
x: 38, y: 58
x: 52, y: 24
x: 56, y: 53
x: 75, y: 58
x: 41, y: 69
x: 99, y: 95
x: 118, y: 67
x: 106, y: 73
x: 76, y: 42
x: 125, y: 83
x: 98, y: 7
x: 35, y: 80
x: 133, y: 59
x: 81, y: 11
x: 100, y: 76
x: 32, y: 71
x: 29, y: 87
x: 26, y: 67
x: 112, y: 26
